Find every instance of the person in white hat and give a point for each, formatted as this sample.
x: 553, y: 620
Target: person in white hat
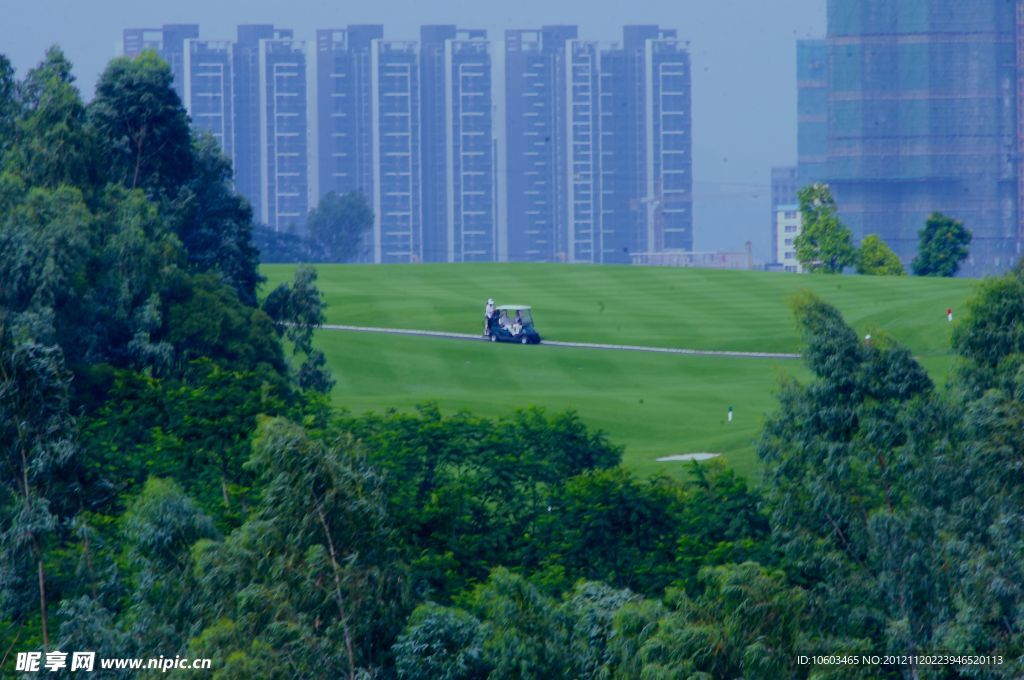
x: 488, y: 313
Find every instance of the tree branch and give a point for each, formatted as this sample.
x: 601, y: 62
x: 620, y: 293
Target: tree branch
x: 337, y: 589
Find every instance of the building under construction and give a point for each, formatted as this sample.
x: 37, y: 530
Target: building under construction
x: 925, y: 111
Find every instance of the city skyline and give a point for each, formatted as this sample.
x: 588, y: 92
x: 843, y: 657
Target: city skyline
x: 595, y: 140
x: 744, y: 115
x: 588, y: 125
x: 592, y: 193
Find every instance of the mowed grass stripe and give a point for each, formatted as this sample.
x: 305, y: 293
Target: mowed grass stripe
x: 662, y: 307
x: 654, y: 404
x: 555, y: 343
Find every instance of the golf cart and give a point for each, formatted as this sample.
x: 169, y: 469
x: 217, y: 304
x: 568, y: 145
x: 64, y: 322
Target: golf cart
x: 513, y: 323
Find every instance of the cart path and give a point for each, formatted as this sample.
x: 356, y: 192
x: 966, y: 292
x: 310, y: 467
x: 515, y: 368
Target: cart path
x: 556, y: 343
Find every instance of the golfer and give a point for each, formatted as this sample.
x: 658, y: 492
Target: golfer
x: 488, y: 314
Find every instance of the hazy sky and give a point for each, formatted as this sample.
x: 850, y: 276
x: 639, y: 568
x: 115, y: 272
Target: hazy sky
x: 743, y: 59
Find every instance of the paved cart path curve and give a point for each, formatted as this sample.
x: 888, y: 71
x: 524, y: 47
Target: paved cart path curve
x: 556, y: 343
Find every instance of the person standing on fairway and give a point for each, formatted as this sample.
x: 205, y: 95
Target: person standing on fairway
x: 729, y: 416
x: 949, y: 314
x: 488, y: 314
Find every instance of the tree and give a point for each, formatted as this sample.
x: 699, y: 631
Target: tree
x: 205, y: 318
x: 337, y: 225
x: 589, y: 614
x: 746, y: 623
x: 875, y: 258
x: 214, y: 223
x: 121, y: 306
x: 195, y: 430
x: 824, y: 244
x: 525, y: 636
x: 139, y: 121
x: 96, y: 303
x: 722, y: 521
x: 633, y: 625
x: 159, y: 529
x: 44, y: 251
x: 850, y: 461
x: 508, y: 628
x: 469, y: 494
x: 975, y: 479
x: 311, y: 574
x: 141, y: 125
x: 9, y: 105
x: 298, y: 310
x: 87, y: 624
x: 441, y: 643
x: 37, y: 448
x: 51, y: 142
x: 249, y: 658
x: 942, y: 246
x: 99, y: 274
x: 606, y: 525
x: 992, y: 330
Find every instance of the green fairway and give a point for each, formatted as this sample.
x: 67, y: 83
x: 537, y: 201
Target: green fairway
x: 660, y: 306
x: 654, y: 404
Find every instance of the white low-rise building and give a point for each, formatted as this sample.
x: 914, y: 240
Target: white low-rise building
x: 788, y: 218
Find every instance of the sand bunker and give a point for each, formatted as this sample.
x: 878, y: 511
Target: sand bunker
x: 688, y: 456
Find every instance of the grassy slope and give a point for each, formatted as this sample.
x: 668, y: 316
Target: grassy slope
x: 654, y: 404
x: 698, y: 308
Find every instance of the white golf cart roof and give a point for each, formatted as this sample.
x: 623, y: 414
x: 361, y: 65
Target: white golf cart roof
x: 513, y: 308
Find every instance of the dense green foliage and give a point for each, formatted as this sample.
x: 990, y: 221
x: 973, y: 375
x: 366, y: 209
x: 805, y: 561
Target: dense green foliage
x: 297, y: 311
x: 824, y: 244
x: 893, y: 504
x: 993, y: 332
x: 943, y: 246
x: 143, y: 131
x: 876, y: 258
x: 171, y: 486
x: 130, y: 346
